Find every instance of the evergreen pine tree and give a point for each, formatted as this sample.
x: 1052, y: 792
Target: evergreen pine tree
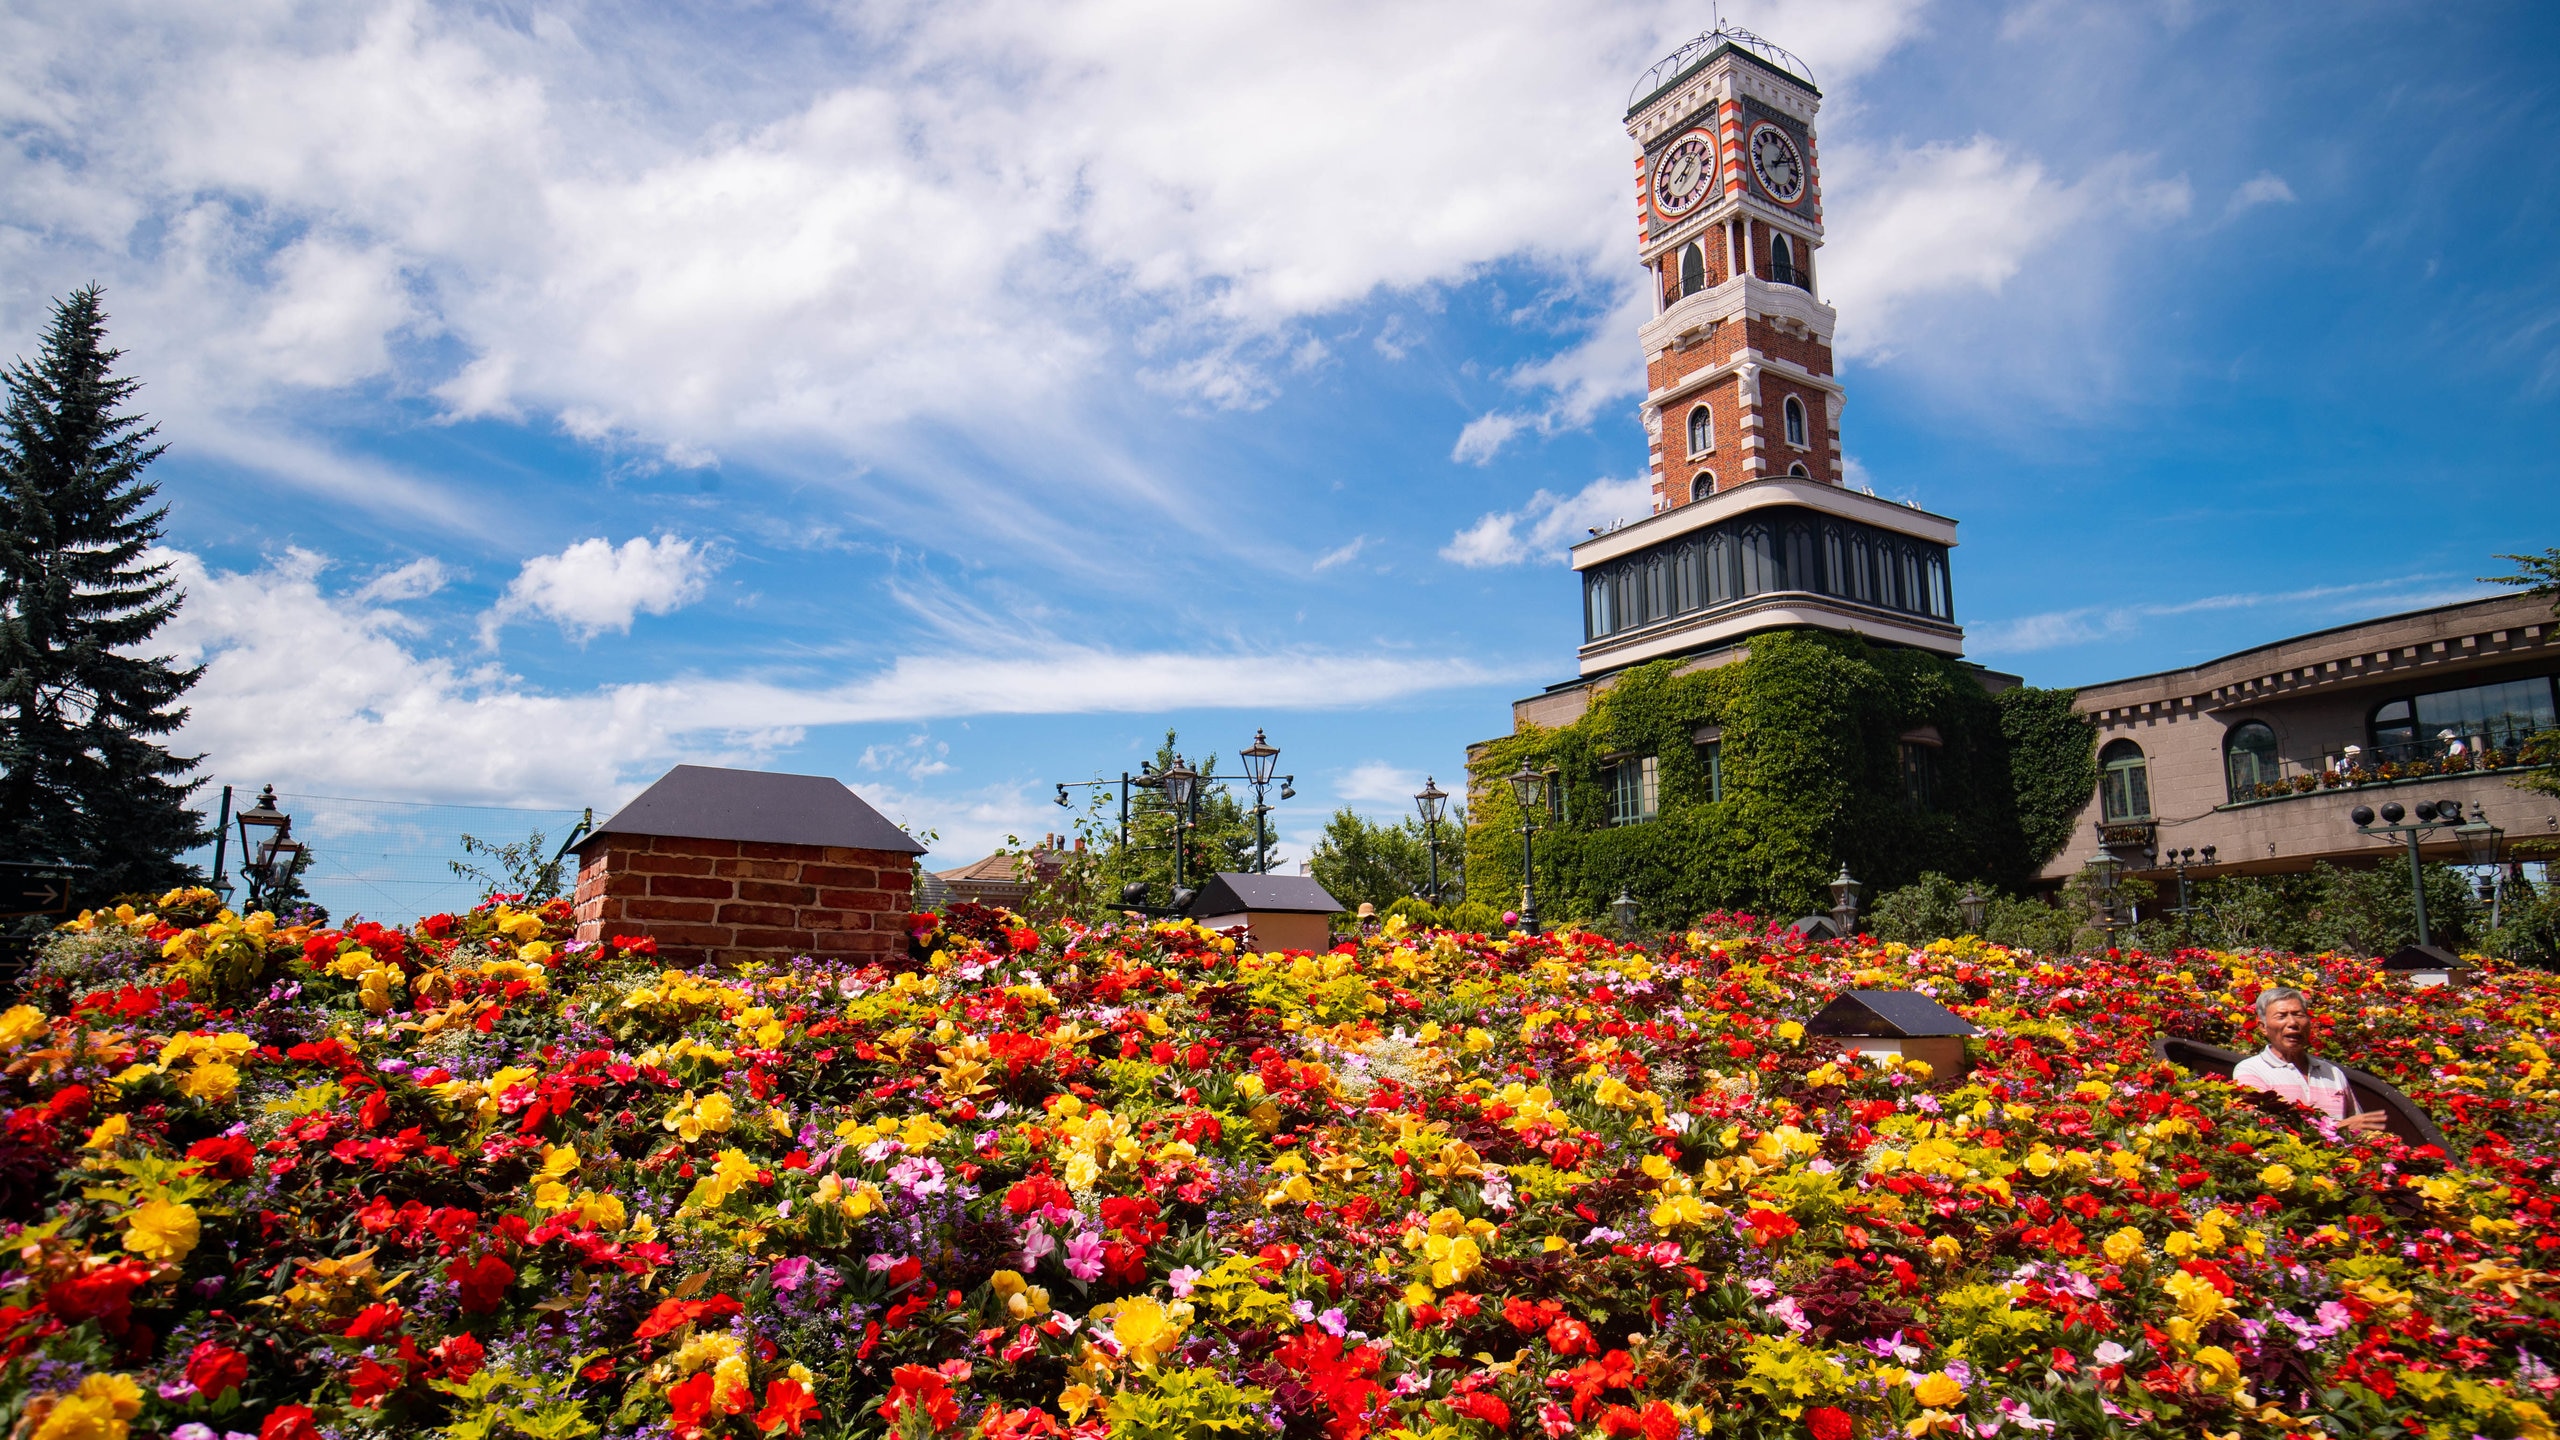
x: 82, y: 779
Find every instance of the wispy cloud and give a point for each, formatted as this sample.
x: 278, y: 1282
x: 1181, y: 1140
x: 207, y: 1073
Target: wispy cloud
x: 2055, y: 629
x: 1375, y: 782
x: 1548, y: 525
x: 2266, y: 188
x: 1342, y: 555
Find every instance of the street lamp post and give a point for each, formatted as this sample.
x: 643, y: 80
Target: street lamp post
x: 2426, y: 816
x: 2480, y: 847
x: 1844, y: 902
x: 2180, y: 860
x: 1260, y: 758
x: 1975, y: 910
x: 2106, y: 873
x: 267, y: 864
x: 1181, y: 789
x: 1430, y: 801
x: 1529, y: 787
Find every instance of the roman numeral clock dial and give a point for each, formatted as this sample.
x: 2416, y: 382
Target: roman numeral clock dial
x: 1778, y: 164
x: 1683, y: 174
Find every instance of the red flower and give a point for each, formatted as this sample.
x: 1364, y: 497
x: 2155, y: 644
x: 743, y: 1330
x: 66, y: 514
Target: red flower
x: 483, y: 1282
x: 289, y: 1422
x: 690, y: 1399
x: 1768, y: 1227
x: 226, y: 1156
x: 1823, y: 1422
x: 1480, y: 1406
x: 457, y: 1357
x: 1571, y: 1337
x: 213, y: 1368
x: 1653, y: 1422
x: 374, y: 1321
x: 1339, y: 1376
x: 787, y: 1403
x: 372, y: 1380
x: 924, y: 1391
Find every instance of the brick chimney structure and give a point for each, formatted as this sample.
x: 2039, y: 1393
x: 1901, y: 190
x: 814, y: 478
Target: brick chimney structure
x: 739, y: 865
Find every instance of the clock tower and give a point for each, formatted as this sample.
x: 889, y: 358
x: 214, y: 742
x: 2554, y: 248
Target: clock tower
x: 1754, y: 527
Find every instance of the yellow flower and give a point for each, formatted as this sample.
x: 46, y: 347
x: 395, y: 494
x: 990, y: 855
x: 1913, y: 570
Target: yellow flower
x: 2124, y: 1246
x: 1146, y: 1330
x: 2277, y: 1177
x: 95, y: 1411
x: 1938, y: 1390
x: 2221, y: 1368
x: 23, y: 1023
x: 210, y: 1080
x: 160, y: 1230
x: 107, y: 1132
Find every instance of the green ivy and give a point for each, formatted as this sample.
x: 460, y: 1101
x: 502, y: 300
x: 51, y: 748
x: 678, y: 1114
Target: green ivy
x: 1812, y: 770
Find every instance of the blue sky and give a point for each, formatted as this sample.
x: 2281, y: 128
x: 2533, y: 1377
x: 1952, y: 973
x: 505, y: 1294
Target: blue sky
x: 952, y: 397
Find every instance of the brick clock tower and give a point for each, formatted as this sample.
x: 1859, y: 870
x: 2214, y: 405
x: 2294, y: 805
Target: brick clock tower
x: 1753, y: 526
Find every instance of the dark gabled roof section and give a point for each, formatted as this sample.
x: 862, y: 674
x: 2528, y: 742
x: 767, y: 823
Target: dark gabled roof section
x: 1904, y: 1013
x: 704, y: 802
x: 2422, y: 957
x: 1233, y: 893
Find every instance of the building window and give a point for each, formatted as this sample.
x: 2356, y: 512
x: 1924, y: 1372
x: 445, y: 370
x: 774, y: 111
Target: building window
x: 1702, y: 431
x: 2124, y: 783
x: 2465, y: 721
x: 1795, y: 421
x: 1555, y: 797
x: 1798, y: 471
x: 1636, y: 790
x: 1920, y: 774
x: 2249, y: 758
x: 1703, y: 486
x: 1710, y: 743
x: 1693, y: 269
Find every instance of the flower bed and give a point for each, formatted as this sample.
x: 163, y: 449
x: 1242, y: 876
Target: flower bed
x: 1125, y: 1180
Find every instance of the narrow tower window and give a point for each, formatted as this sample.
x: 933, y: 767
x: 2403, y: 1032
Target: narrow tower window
x: 1782, y: 259
x: 1703, y: 486
x: 1702, y: 431
x: 1795, y: 421
x: 1693, y: 269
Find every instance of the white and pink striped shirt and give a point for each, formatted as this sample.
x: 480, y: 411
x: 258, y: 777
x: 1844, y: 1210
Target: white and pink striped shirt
x: 2325, y: 1089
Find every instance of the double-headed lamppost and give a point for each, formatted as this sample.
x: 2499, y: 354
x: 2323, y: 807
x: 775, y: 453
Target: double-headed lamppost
x: 1430, y: 802
x: 1844, y: 902
x: 2479, y: 840
x: 1529, y: 787
x: 267, y: 863
x: 2180, y: 860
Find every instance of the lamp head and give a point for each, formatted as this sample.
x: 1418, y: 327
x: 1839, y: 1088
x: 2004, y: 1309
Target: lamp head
x: 2208, y: 854
x: 1430, y: 801
x: 2391, y: 813
x: 1975, y: 910
x: 1134, y: 894
x: 1529, y: 787
x: 1623, y: 910
x: 2362, y: 815
x: 1062, y: 795
x: 1288, y: 787
x: 2425, y: 813
x: 1844, y: 891
x: 1181, y: 782
x: 1260, y: 759
x: 264, y: 813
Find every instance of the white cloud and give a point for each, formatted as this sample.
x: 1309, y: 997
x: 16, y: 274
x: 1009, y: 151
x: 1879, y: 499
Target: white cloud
x: 1485, y: 436
x: 1375, y: 782
x: 364, y: 710
x: 416, y: 580
x: 1342, y: 555
x: 2054, y: 629
x: 591, y: 587
x: 1549, y: 524
x: 2266, y: 188
x: 917, y: 757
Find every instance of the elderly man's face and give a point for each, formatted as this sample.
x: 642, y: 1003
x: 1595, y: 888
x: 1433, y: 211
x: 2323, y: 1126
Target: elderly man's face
x: 2287, y: 1027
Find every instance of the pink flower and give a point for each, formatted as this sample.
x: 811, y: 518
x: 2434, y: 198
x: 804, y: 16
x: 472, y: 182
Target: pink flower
x: 1084, y: 1256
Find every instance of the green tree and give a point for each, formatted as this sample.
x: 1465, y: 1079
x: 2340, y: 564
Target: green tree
x: 1359, y: 861
x: 524, y: 868
x: 83, y: 777
x: 1218, y: 835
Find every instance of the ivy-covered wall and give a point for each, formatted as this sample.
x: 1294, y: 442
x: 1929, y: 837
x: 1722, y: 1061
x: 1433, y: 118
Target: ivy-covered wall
x: 1812, y: 724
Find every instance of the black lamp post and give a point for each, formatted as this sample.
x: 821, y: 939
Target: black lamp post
x: 1529, y: 787
x: 1181, y: 787
x: 2426, y: 816
x: 2480, y: 847
x: 1844, y: 902
x: 1260, y: 759
x: 2180, y: 860
x: 1975, y: 910
x: 270, y: 862
x: 2106, y: 875
x: 1430, y: 801
x: 1624, y: 912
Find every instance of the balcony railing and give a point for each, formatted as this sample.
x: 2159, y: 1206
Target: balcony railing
x: 1784, y: 274
x: 2389, y: 764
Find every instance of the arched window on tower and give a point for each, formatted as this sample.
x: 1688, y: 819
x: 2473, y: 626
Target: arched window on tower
x: 1693, y: 268
x: 1799, y: 472
x: 1795, y: 421
x: 1703, y: 486
x: 2124, y: 783
x: 1782, y: 259
x: 1702, y: 431
x: 2249, y: 758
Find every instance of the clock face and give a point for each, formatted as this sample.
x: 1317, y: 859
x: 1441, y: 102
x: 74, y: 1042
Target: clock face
x: 1684, y: 174
x: 1778, y: 163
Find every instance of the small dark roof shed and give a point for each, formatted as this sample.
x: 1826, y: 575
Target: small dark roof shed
x: 1237, y: 893
x: 1903, y: 1013
x: 705, y: 802
x: 2422, y: 957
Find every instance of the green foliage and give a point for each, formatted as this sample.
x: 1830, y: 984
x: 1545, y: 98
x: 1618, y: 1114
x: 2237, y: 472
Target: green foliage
x: 2358, y: 911
x: 1218, y: 838
x: 525, y: 868
x: 1811, y: 747
x: 83, y: 778
x: 1359, y: 862
x: 2064, y: 923
x: 2528, y: 925
x: 1185, y: 1404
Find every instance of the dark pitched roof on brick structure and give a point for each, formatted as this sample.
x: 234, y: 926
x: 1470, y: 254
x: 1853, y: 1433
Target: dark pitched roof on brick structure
x: 704, y: 802
x: 1888, y: 1012
x: 1236, y: 893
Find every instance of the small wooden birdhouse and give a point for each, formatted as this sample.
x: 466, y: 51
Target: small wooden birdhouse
x: 1279, y: 912
x: 1897, y: 1022
x: 2424, y: 966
